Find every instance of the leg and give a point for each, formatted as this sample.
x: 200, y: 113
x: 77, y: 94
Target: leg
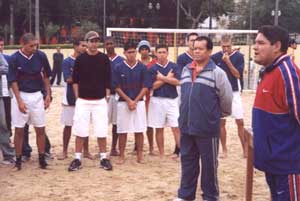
x: 54, y: 72
x: 18, y: 140
x: 47, y: 144
x: 122, y: 145
x: 223, y: 135
x: 150, y: 140
x: 114, y: 142
x: 40, y: 139
x: 242, y: 136
x: 209, y: 161
x: 66, y: 139
x: 102, y: 144
x: 26, y: 149
x: 58, y: 75
x: 76, y: 163
x: 189, y: 167
x: 104, y: 162
x: 176, y: 134
x: 86, y: 152
x: 160, y: 141
x: 282, y: 186
x: 139, y: 138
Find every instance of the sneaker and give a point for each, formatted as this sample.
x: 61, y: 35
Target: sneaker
x: 42, y: 161
x: 25, y: 158
x: 75, y: 165
x: 105, y: 164
x: 179, y: 199
x: 8, y: 161
x: 18, y: 163
x: 48, y: 156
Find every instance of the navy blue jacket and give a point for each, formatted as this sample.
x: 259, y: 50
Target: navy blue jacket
x: 204, y: 101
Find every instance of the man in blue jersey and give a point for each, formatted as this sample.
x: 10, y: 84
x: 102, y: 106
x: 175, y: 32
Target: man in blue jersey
x: 163, y: 106
x: 29, y: 75
x: 131, y: 82
x: 206, y: 96
x: 112, y: 103
x: 232, y: 62
x: 187, y: 57
x: 68, y: 102
x: 8, y: 151
x: 276, y: 115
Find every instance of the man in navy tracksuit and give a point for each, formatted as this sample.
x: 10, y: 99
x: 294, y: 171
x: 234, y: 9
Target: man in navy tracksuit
x: 206, y: 96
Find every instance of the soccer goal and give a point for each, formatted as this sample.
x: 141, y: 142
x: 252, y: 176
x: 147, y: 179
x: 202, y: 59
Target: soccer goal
x: 175, y: 39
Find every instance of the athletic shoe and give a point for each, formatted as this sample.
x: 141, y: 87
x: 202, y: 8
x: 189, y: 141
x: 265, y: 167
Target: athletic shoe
x: 25, y: 158
x: 179, y: 199
x: 8, y: 161
x: 105, y: 164
x: 48, y: 156
x: 42, y: 161
x: 75, y: 165
x: 18, y: 164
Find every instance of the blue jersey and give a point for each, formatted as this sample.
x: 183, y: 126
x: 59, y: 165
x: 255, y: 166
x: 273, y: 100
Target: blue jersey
x: 166, y: 90
x: 28, y: 72
x: 131, y: 79
x: 183, y: 60
x: 67, y: 69
x: 113, y: 62
x: 237, y: 60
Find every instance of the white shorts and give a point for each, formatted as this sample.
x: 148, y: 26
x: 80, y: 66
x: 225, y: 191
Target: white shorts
x: 112, y: 110
x: 163, y: 112
x: 67, y: 115
x: 35, y: 113
x: 237, y: 106
x: 90, y: 111
x: 131, y: 121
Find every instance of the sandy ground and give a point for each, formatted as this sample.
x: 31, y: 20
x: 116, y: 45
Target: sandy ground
x: 155, y: 180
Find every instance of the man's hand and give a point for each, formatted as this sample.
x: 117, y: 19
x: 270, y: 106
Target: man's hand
x: 22, y: 106
x: 131, y: 105
x: 159, y: 76
x: 225, y: 57
x: 47, y: 101
x: 170, y: 73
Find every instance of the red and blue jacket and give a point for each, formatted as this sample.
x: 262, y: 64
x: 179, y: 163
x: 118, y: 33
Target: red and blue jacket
x: 276, y: 119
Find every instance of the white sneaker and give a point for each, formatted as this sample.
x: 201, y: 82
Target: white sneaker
x: 179, y: 199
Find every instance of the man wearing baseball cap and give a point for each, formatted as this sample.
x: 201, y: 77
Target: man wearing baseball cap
x: 91, y: 84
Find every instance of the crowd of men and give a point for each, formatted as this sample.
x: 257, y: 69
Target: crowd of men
x: 192, y: 96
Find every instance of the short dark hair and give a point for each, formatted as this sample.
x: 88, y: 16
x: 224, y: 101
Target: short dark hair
x: 191, y: 34
x: 27, y: 37
x: 292, y: 41
x: 161, y: 46
x: 129, y: 45
x: 76, y: 41
x: 109, y: 38
x: 275, y: 34
x: 209, y: 43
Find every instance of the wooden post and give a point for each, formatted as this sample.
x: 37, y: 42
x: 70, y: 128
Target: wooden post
x: 249, y: 176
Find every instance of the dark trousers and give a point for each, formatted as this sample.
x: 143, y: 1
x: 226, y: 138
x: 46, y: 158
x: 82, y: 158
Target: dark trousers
x: 56, y: 72
x: 194, y: 149
x: 5, y: 128
x: 284, y: 187
x: 26, y: 149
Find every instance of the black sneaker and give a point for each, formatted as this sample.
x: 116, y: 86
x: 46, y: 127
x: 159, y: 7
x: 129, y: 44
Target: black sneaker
x: 18, y: 164
x: 75, y: 165
x: 105, y: 164
x: 42, y: 161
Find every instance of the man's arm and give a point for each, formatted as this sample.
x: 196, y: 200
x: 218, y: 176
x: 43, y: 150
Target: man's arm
x: 131, y: 104
x: 231, y: 67
x: 47, y: 100
x: 75, y: 89
x: 21, y: 104
x: 224, y: 91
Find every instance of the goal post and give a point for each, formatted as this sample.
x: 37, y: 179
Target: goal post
x: 175, y: 39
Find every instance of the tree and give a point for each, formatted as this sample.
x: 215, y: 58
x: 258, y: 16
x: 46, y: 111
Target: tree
x: 262, y: 14
x: 196, y: 11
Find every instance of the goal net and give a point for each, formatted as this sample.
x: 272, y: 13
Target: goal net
x: 175, y: 39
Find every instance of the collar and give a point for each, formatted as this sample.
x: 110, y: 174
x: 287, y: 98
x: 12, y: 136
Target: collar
x: 189, y: 55
x: 209, y: 66
x: 24, y: 55
x: 131, y: 67
x: 163, y: 66
x: 276, y: 62
x: 113, y: 57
